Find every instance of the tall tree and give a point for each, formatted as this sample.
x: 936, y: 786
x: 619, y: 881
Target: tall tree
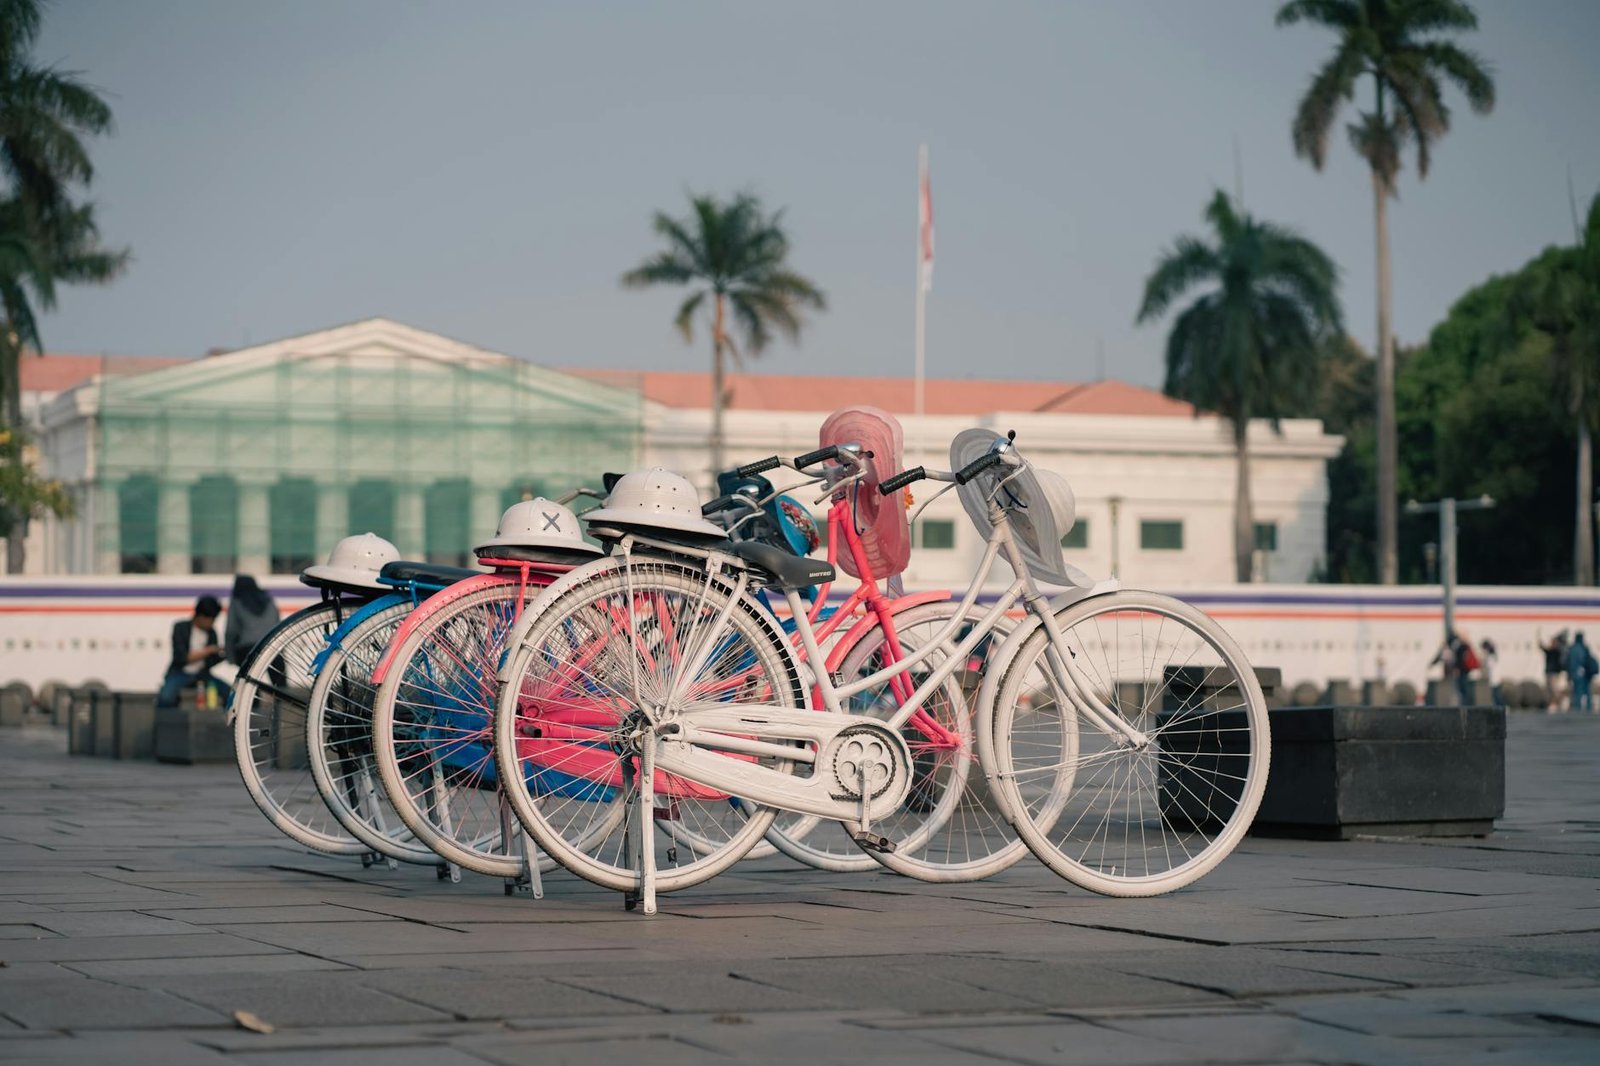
x: 1250, y: 344
x: 736, y: 256
x: 45, y: 238
x: 1403, y: 46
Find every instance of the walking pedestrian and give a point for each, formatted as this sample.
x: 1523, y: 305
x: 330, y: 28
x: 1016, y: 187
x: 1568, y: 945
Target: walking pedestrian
x: 1581, y: 668
x: 1487, y: 654
x: 1555, y: 667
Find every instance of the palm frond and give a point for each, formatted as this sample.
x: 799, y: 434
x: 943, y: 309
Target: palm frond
x: 685, y: 317
x: 1470, y: 72
x: 1187, y: 264
x: 1434, y: 16
x: 664, y: 268
x: 1330, y: 86
x: 1338, y: 14
x: 752, y: 321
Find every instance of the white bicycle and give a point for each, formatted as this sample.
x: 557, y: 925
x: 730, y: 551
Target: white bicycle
x: 1122, y: 734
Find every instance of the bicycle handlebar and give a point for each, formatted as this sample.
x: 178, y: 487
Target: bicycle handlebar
x: 760, y: 466
x: 977, y: 466
x: 901, y: 480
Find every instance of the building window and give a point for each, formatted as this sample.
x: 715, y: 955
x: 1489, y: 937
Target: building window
x: 214, y: 525
x: 1266, y: 536
x: 1161, y: 535
x: 292, y: 521
x: 446, y: 510
x: 372, y: 508
x: 138, y: 527
x: 1077, y: 536
x: 937, y: 534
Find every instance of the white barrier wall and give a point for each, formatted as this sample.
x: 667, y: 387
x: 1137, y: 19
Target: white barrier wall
x: 116, y: 629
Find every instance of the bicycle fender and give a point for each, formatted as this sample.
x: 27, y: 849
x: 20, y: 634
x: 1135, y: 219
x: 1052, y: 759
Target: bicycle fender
x: 368, y: 609
x: 433, y: 603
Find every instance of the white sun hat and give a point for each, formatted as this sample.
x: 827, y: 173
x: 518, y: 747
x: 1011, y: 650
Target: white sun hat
x: 654, y: 499
x: 540, y: 524
x: 354, y: 562
x: 1040, y: 503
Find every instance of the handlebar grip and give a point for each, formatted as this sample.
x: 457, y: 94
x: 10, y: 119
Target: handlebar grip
x: 976, y: 467
x: 901, y: 480
x: 757, y: 467
x: 811, y: 458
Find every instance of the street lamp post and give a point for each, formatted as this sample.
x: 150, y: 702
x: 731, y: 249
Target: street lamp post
x: 1447, y: 509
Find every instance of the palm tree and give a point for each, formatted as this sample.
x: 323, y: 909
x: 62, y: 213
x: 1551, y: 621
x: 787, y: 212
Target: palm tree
x: 1250, y: 345
x: 32, y: 262
x: 1401, y: 44
x: 735, y: 254
x: 1565, y: 306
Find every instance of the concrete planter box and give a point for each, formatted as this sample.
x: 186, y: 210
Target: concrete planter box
x: 186, y: 735
x: 1195, y: 787
x: 1340, y: 772
x: 134, y: 731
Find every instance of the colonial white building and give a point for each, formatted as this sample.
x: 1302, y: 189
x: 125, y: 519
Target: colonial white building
x: 256, y: 460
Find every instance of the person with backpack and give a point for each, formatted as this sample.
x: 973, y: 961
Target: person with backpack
x: 1581, y: 668
x: 1466, y: 658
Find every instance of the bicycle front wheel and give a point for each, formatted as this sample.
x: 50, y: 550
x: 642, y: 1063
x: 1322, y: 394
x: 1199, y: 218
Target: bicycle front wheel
x: 567, y: 731
x: 1153, y: 798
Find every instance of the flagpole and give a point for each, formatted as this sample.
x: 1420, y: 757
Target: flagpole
x: 922, y: 298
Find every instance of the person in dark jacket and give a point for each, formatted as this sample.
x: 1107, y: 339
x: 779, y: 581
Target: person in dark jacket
x: 194, y: 653
x: 251, y: 616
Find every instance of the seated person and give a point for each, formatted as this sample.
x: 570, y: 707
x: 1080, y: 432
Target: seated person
x: 194, y: 653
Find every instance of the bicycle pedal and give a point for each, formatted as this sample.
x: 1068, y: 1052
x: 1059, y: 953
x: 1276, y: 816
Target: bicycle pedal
x: 873, y: 842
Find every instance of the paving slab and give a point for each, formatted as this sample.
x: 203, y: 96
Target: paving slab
x: 146, y: 903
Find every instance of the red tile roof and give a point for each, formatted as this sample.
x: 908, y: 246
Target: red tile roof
x: 792, y: 392
x: 56, y: 373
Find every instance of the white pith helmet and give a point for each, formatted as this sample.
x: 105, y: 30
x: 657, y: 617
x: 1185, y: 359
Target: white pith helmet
x: 355, y: 561
x: 655, y: 498
x: 1039, y: 502
x: 539, y: 523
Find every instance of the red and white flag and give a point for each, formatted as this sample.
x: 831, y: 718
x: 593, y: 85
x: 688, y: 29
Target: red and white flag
x: 925, y: 220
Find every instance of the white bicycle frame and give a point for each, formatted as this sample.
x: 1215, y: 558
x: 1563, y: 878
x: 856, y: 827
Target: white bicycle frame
x: 692, y: 745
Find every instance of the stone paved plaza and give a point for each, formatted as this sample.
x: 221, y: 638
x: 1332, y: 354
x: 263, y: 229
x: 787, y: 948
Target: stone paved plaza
x: 142, y: 905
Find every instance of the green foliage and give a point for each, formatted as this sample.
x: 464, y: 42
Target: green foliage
x: 22, y: 491
x: 1486, y: 406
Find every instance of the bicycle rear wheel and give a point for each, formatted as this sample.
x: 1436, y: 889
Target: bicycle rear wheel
x: 339, y: 746
x: 1118, y: 815
x: 271, y: 698
x: 618, y: 639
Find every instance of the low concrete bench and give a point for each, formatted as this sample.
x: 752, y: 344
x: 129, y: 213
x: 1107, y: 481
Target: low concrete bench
x: 188, y: 735
x: 1341, y: 772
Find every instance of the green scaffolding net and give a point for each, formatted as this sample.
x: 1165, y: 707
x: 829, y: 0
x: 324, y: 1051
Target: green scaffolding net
x: 261, y: 463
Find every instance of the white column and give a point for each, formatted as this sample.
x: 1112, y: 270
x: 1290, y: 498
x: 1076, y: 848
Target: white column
x: 485, y: 515
x: 173, y: 546
x: 333, y: 516
x: 255, y: 529
x: 409, y: 527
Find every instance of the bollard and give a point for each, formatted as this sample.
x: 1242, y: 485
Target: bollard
x: 15, y: 700
x: 135, y: 730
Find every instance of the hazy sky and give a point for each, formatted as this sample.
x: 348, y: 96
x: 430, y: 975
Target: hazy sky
x: 488, y: 169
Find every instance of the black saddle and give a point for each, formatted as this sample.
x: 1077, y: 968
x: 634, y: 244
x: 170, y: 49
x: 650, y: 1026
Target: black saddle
x: 359, y: 591
x: 522, y: 554
x: 788, y: 571
x: 404, y: 572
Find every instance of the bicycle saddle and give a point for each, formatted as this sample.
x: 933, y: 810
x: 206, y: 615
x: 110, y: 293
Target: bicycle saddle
x: 788, y: 571
x: 404, y: 572
x: 522, y: 553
